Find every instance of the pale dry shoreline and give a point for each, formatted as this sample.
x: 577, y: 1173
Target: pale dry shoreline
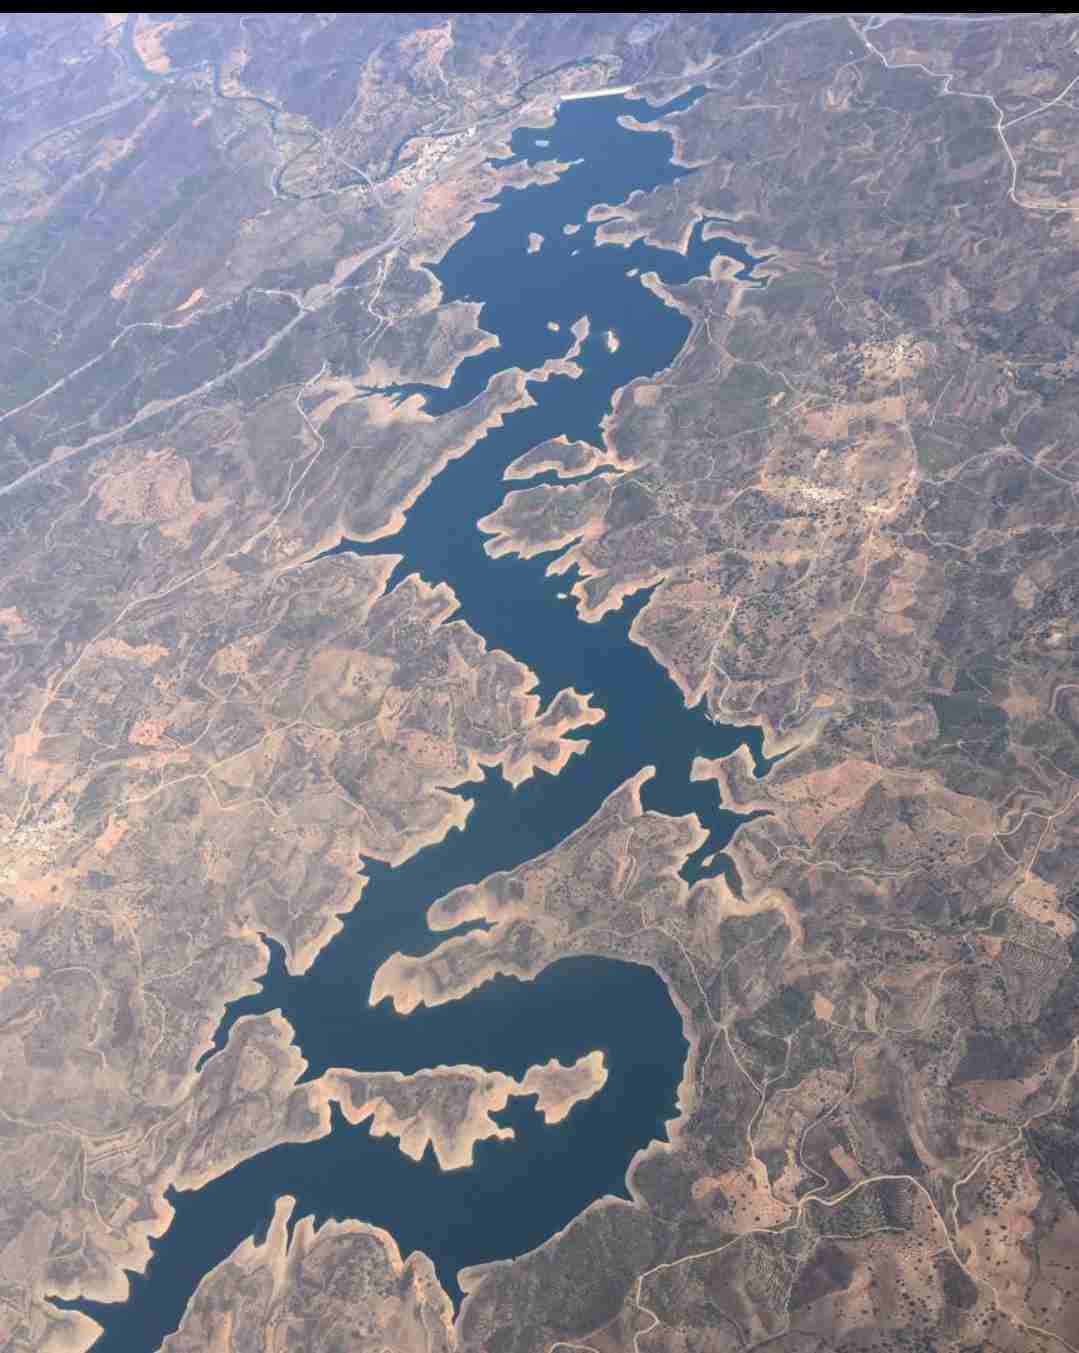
x: 566, y: 459
x: 429, y: 1117
x: 556, y: 1088
x: 275, y: 1268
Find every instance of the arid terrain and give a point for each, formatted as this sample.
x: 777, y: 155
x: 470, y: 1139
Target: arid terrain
x: 854, y: 493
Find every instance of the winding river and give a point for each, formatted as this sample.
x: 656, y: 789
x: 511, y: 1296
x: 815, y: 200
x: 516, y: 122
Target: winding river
x: 520, y: 1192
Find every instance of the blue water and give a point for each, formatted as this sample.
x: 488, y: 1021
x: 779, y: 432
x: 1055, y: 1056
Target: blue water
x: 518, y: 1193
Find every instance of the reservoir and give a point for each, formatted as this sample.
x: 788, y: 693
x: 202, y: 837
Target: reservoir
x: 518, y: 1193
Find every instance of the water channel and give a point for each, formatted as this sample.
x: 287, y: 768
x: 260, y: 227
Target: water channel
x: 520, y: 1192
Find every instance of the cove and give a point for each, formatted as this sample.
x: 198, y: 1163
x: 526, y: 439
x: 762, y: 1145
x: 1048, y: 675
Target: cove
x: 515, y: 1195
x: 518, y: 1193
